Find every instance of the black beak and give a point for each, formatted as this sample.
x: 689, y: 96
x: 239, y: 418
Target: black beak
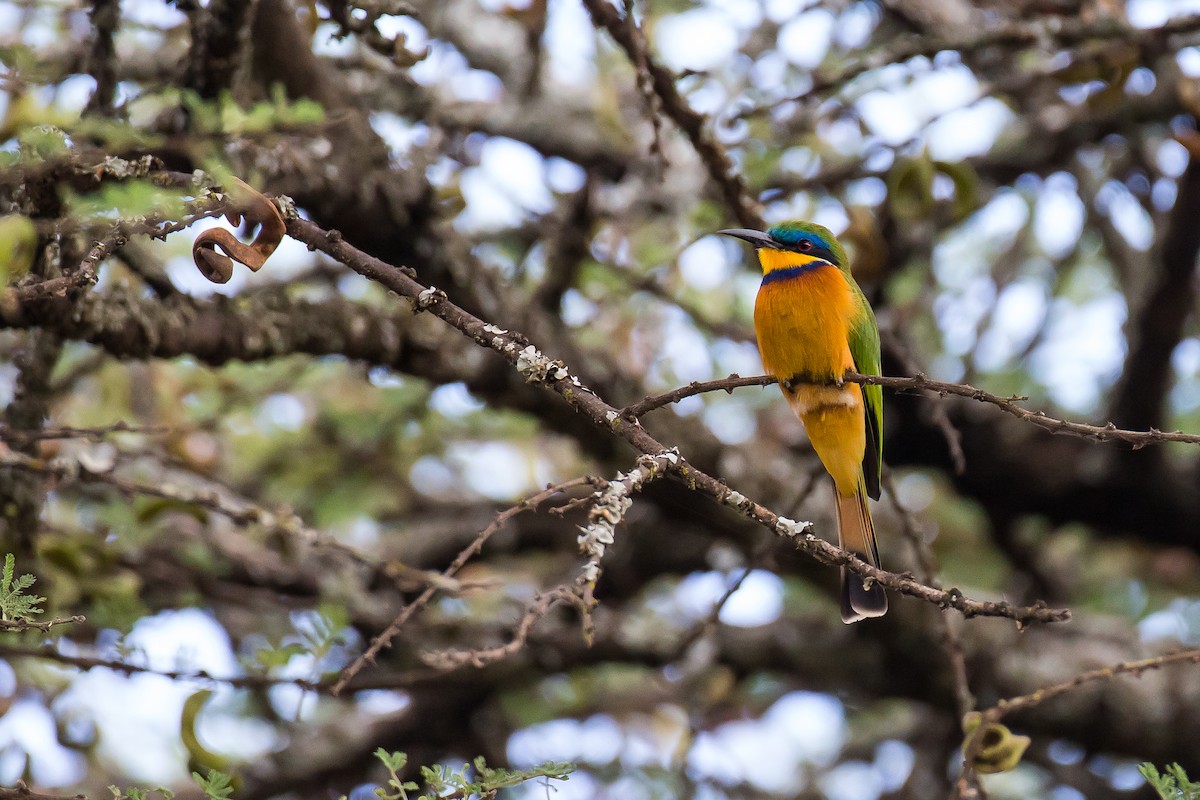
x: 756, y: 238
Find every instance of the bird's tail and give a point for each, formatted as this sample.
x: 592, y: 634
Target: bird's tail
x: 857, y: 535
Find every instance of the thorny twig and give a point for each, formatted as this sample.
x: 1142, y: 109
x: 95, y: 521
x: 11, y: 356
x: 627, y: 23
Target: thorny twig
x: 641, y: 60
x: 84, y: 469
x: 539, y: 608
x: 44, y: 627
x: 50, y: 653
x: 384, y: 639
x: 1134, y: 668
x: 609, y: 503
x: 1046, y: 32
x: 694, y: 125
x: 918, y: 382
x: 8, y: 433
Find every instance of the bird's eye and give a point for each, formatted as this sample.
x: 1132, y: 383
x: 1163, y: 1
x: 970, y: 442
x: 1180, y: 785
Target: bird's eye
x: 804, y: 245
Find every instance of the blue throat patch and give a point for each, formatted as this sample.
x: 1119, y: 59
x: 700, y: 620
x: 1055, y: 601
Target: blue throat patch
x: 792, y: 272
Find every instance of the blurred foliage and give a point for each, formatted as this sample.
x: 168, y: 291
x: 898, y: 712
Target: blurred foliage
x: 474, y: 779
x: 1173, y: 784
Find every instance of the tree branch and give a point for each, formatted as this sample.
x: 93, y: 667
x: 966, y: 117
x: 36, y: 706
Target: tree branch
x: 1100, y: 433
x: 720, y: 168
x: 554, y: 375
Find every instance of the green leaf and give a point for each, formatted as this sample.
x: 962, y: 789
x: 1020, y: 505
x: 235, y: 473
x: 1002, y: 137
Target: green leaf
x: 1174, y: 784
x: 217, y: 786
x: 15, y: 605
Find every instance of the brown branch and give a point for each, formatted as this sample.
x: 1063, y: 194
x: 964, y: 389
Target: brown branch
x: 384, y: 638
x: 95, y: 434
x: 49, y: 653
x: 1134, y: 668
x: 554, y: 375
x: 443, y: 660
x: 22, y: 792
x: 950, y: 640
x: 645, y: 83
x: 937, y: 411
x: 102, y: 57
x: 29, y: 625
x: 720, y: 168
x: 927, y: 571
x: 219, y: 500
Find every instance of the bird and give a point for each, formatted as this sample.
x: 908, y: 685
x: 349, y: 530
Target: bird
x: 813, y: 325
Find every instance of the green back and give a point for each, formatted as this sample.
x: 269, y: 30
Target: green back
x: 864, y: 349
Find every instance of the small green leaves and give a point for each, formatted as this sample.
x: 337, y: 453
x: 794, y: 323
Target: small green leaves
x: 394, y: 763
x: 138, y: 793
x: 1173, y: 784
x: 440, y: 780
x: 15, y: 605
x: 216, y: 786
x: 225, y: 116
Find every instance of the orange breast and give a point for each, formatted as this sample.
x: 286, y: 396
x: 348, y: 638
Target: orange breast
x: 803, y: 324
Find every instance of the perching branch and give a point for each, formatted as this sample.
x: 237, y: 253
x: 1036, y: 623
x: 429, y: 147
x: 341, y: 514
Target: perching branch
x: 918, y: 382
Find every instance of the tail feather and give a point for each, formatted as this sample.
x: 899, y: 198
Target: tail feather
x: 856, y: 534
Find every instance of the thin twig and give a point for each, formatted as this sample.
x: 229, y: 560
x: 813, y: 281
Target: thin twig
x: 927, y: 570
x: 8, y: 433
x: 454, y: 658
x: 1134, y: 668
x: 641, y: 62
x: 30, y: 625
x: 918, y: 382
x: 384, y: 638
x: 694, y: 125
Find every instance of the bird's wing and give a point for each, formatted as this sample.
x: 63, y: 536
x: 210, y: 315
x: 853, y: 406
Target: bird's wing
x: 864, y: 349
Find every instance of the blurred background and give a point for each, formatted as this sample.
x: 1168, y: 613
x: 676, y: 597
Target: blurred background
x: 1018, y: 188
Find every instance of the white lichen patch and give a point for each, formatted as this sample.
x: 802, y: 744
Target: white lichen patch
x: 537, y: 367
x: 496, y: 329
x: 791, y: 528
x: 286, y: 207
x: 735, y: 499
x: 428, y: 297
x: 610, y: 504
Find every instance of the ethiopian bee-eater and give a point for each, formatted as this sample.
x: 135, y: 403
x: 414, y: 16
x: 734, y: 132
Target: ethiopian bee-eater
x: 814, y: 325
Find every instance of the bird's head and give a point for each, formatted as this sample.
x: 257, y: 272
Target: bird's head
x: 793, y: 244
